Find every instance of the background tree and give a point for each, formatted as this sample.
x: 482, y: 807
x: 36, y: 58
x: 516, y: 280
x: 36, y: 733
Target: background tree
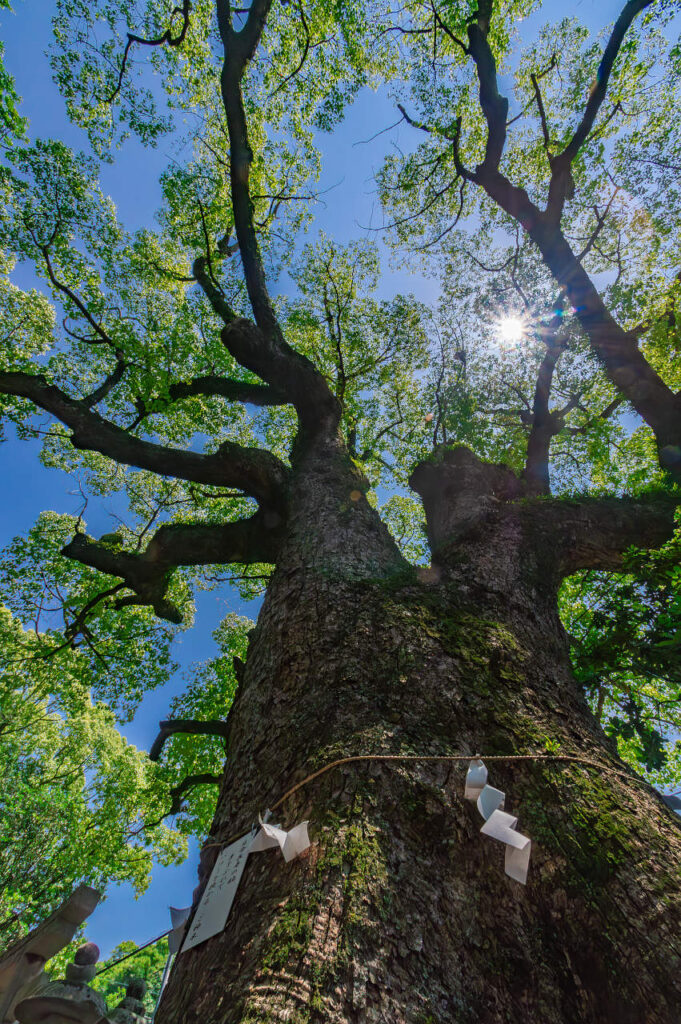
x: 262, y: 433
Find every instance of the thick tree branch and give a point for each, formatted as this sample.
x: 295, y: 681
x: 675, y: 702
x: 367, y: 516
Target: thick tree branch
x: 494, y: 106
x: 464, y: 497
x: 256, y: 472
x: 225, y: 387
x: 148, y: 573
x: 596, y: 533
x: 185, y: 726
x: 618, y: 349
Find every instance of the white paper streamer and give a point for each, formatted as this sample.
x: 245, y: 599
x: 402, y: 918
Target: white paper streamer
x: 476, y: 780
x: 498, y: 824
x: 501, y: 826
x: 490, y: 800
x: 291, y: 844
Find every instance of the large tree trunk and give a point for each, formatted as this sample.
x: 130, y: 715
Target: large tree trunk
x: 401, y: 911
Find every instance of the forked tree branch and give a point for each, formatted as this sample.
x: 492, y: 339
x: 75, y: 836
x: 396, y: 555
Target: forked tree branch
x: 148, y: 573
x: 560, y: 185
x: 461, y: 493
x: 262, y: 348
x: 618, y: 349
x: 255, y: 471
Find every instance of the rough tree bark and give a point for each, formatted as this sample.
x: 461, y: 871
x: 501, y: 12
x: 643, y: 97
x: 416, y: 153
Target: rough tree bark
x: 401, y: 911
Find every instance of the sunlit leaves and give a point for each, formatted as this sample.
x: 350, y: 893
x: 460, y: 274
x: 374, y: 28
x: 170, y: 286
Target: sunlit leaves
x: 371, y: 351
x: 12, y: 124
x: 75, y: 795
x: 116, y: 655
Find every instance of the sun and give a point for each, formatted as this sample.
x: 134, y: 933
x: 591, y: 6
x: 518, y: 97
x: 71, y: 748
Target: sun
x: 511, y: 328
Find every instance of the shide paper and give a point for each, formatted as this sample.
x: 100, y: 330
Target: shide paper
x: 490, y: 800
x: 178, y: 920
x: 501, y: 826
x: 476, y: 780
x: 290, y: 843
x: 498, y: 824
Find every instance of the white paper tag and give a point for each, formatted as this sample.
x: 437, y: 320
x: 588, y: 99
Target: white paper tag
x: 216, y: 902
x: 178, y: 920
x: 291, y: 844
x: 476, y: 780
x: 501, y: 826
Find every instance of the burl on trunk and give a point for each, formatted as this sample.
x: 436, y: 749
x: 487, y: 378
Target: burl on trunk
x: 400, y: 911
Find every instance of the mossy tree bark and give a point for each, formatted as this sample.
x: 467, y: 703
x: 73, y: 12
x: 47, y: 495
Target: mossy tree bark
x: 401, y: 911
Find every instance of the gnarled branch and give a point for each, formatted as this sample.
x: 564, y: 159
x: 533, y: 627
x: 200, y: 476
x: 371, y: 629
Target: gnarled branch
x: 148, y: 573
x: 167, y: 38
x: 253, y: 470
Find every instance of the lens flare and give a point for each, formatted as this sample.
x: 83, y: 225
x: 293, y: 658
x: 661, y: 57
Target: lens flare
x: 511, y: 329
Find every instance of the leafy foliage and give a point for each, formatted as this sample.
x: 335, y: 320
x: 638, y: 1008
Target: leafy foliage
x: 208, y: 696
x: 75, y: 794
x: 148, y: 965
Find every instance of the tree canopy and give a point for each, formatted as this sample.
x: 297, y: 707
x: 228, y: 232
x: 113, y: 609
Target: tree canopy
x: 177, y: 371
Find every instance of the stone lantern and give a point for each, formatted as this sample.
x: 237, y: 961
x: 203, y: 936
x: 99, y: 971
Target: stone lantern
x: 131, y: 1010
x: 70, y: 1001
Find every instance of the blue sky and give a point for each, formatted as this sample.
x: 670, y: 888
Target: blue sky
x: 132, y: 181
